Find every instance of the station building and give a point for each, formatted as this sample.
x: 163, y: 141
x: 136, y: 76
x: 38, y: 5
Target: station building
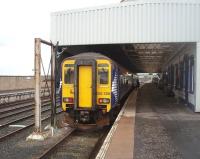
x: 143, y: 36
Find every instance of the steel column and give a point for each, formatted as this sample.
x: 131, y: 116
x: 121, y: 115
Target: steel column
x: 37, y: 85
x: 197, y: 78
x: 53, y: 86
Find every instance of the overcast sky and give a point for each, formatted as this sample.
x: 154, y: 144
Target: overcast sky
x: 23, y: 20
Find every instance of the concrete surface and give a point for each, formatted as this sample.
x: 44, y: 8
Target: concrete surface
x: 122, y: 142
x: 163, y: 128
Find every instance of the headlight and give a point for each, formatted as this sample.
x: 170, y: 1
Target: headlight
x: 68, y: 100
x: 104, y: 100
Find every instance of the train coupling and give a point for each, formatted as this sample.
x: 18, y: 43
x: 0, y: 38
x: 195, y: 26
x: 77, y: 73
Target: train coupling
x: 84, y: 116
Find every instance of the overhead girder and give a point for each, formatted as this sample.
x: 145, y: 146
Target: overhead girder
x: 151, y: 56
x: 133, y: 57
x: 150, y: 50
x: 147, y: 53
x: 147, y: 57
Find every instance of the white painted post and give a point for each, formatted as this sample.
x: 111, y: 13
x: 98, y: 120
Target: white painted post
x: 197, y: 79
x: 37, y: 86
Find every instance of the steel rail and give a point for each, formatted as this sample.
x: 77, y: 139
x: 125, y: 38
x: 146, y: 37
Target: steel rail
x: 20, y: 106
x: 98, y: 144
x: 30, y: 107
x: 7, y: 105
x: 52, y: 148
x: 23, y: 118
x: 24, y: 128
x: 11, y: 104
x: 20, y: 119
x: 94, y: 150
x: 24, y: 110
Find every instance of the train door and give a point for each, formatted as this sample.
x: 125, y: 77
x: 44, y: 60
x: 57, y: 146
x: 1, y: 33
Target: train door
x: 85, y: 86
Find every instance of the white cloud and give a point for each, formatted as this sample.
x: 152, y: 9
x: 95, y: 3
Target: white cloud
x: 21, y: 22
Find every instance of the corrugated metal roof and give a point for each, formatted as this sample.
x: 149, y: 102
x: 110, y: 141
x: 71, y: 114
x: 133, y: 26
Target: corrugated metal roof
x: 141, y: 21
x: 131, y: 22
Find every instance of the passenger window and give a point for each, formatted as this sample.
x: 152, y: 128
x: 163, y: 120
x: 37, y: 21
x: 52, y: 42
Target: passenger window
x: 69, y: 76
x: 103, y: 76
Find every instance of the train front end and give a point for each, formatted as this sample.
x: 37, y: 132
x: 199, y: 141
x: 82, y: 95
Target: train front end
x: 86, y: 90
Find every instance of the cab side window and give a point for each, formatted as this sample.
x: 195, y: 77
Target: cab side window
x: 69, y: 76
x: 103, y: 73
x: 103, y: 76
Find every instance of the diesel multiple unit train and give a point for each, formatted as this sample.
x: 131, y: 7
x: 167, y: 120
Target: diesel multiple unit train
x: 91, y: 88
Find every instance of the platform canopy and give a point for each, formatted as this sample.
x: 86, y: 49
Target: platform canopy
x: 146, y: 30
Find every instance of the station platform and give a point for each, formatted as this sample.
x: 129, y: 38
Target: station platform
x: 119, y: 142
x: 164, y: 128
x: 153, y: 126
x: 122, y: 141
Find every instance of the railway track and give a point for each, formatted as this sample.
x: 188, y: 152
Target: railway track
x: 18, y: 117
x: 76, y: 144
x: 18, y: 108
x: 9, y: 111
x: 18, y: 130
x: 13, y: 103
x: 51, y: 150
x: 4, y: 113
x: 79, y: 144
x: 98, y: 144
x: 22, y: 121
x: 19, y: 104
x: 23, y: 118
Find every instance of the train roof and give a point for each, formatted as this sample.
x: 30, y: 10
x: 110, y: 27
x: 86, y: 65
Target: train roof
x: 94, y: 55
x: 90, y: 55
